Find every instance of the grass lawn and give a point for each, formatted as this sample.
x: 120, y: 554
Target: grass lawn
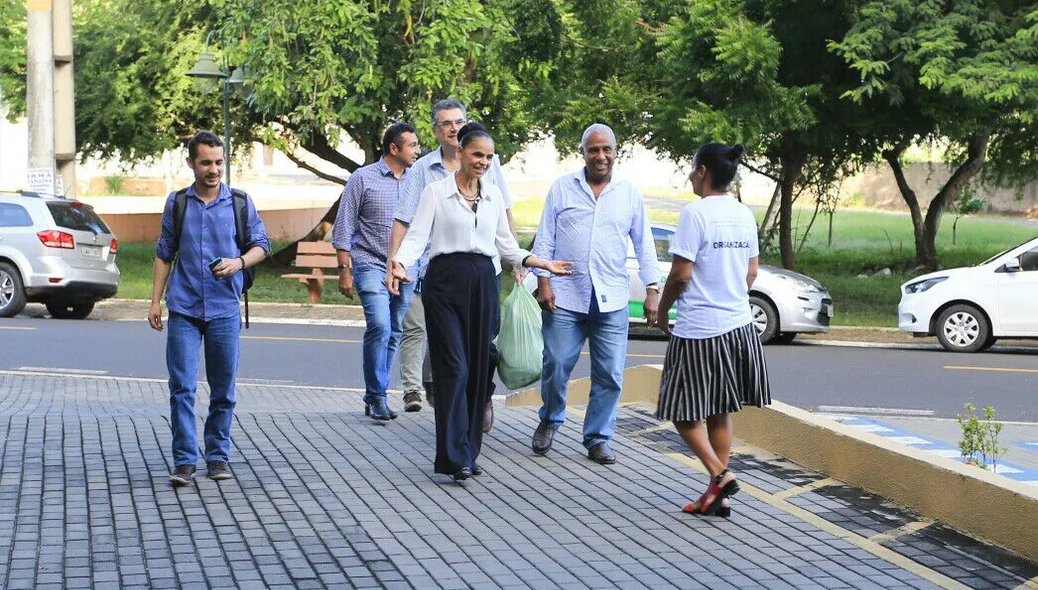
x: 864, y: 242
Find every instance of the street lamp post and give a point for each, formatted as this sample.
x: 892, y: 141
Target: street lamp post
x: 207, y: 74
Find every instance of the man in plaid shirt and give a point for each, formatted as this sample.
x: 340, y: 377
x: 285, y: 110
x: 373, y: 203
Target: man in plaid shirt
x: 361, y: 239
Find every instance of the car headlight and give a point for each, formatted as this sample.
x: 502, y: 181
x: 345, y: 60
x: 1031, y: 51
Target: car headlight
x: 920, y: 286
x: 799, y: 285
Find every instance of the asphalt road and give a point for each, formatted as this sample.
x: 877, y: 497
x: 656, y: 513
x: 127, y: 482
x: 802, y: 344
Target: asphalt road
x: 808, y: 376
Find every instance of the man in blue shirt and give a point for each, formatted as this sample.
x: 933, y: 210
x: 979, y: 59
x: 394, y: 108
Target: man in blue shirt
x: 361, y: 239
x: 589, y: 218
x: 204, y: 287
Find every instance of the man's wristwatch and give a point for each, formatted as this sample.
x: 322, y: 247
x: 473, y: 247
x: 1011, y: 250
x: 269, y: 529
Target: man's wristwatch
x: 343, y: 267
x: 653, y: 287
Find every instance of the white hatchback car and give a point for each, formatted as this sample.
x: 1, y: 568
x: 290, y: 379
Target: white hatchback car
x: 969, y: 308
x: 783, y: 303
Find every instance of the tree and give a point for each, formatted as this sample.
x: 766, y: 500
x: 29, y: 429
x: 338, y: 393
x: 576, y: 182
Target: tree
x: 760, y: 73
x: 966, y: 203
x: 12, y: 57
x: 964, y: 74
x: 318, y: 72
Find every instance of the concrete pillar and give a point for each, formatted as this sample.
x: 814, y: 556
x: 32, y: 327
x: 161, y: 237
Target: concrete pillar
x: 64, y: 96
x: 40, y: 83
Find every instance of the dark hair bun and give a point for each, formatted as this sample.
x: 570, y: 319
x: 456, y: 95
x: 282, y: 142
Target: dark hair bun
x: 735, y: 152
x: 469, y: 128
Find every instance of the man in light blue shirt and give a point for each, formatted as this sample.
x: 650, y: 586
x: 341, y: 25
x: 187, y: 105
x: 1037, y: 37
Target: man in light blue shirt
x: 589, y: 218
x: 448, y: 117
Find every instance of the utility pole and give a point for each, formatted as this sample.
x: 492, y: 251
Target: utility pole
x: 39, y: 84
x: 64, y: 97
x: 50, y: 96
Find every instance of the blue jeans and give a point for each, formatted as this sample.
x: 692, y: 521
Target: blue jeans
x: 564, y: 334
x: 184, y: 337
x: 384, y: 315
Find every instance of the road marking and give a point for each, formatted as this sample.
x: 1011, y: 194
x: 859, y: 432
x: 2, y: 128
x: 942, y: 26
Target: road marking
x: 837, y: 531
x: 290, y: 339
x: 880, y: 411
x: 62, y: 370
x: 27, y: 328
x: 992, y: 369
x: 631, y: 355
x: 805, y: 488
x: 907, y: 529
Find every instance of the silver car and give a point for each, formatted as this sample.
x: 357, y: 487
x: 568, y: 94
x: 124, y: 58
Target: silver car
x: 783, y: 303
x: 55, y: 251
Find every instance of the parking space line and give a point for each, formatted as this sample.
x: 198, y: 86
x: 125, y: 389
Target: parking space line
x: 855, y: 539
x: 907, y: 529
x: 25, y: 328
x: 993, y: 369
x: 821, y: 483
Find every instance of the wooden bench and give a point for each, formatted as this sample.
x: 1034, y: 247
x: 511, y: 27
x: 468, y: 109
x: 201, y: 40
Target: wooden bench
x: 315, y: 256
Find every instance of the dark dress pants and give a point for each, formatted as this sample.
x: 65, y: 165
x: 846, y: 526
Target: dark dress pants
x: 461, y: 307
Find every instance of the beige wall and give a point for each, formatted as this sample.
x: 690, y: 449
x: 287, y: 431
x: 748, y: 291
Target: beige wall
x: 880, y: 190
x: 282, y: 224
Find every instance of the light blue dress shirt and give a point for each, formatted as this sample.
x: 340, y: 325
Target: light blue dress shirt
x: 427, y: 170
x: 593, y: 234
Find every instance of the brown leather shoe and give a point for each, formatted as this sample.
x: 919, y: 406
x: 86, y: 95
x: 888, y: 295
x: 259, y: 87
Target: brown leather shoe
x: 488, y: 416
x: 601, y: 453
x: 218, y: 470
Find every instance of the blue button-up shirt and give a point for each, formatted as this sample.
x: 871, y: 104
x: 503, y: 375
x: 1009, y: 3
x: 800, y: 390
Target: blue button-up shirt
x: 207, y: 233
x: 365, y: 219
x: 593, y: 234
x: 427, y: 170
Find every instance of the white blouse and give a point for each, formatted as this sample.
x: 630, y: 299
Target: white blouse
x: 445, y: 222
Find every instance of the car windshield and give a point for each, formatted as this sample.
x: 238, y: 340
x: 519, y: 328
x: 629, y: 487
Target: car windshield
x: 1001, y: 253
x: 77, y: 216
x: 661, y: 239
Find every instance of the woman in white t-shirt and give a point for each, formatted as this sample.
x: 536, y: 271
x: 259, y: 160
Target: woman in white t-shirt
x: 715, y: 362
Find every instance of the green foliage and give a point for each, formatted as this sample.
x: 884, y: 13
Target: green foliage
x: 979, y: 444
x: 951, y: 69
x: 12, y: 58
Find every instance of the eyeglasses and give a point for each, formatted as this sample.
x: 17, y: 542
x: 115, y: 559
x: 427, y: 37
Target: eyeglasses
x: 446, y: 124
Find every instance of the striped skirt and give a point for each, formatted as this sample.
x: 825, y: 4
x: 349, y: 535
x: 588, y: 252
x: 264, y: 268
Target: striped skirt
x: 709, y: 376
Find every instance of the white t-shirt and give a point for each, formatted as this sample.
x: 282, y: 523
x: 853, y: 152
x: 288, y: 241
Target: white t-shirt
x: 719, y: 235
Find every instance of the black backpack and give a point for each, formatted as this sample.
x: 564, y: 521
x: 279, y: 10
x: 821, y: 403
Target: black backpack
x: 241, y: 237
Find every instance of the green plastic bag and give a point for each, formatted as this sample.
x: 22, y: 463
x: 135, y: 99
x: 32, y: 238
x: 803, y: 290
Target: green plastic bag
x: 520, y: 347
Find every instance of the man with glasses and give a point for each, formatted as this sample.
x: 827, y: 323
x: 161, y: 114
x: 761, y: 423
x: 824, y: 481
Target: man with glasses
x: 448, y: 116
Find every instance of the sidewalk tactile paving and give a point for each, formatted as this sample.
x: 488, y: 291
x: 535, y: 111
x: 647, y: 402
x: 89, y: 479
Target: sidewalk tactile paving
x: 325, y: 498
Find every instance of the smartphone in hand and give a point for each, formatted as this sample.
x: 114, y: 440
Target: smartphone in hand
x: 213, y: 264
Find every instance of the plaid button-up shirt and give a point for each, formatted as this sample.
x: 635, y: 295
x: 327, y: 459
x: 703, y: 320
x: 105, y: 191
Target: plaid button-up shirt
x: 365, y: 219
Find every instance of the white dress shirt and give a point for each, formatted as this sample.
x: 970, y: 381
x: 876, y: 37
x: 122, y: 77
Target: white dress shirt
x: 445, y: 222
x: 593, y: 233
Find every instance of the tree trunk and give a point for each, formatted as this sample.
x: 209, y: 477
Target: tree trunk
x: 831, y: 215
x: 767, y: 225
x: 925, y: 227
x: 793, y: 158
x: 893, y: 158
x: 976, y: 152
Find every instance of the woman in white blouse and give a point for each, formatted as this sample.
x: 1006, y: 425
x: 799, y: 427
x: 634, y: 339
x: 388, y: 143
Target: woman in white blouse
x: 463, y: 221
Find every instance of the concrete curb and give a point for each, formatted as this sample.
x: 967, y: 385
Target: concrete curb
x: 981, y: 503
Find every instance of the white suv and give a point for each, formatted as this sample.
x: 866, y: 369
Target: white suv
x: 54, y: 251
x: 969, y: 308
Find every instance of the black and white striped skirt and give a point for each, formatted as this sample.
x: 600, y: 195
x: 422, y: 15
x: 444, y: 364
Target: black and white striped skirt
x: 709, y: 376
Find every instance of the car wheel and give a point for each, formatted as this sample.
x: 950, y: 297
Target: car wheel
x: 63, y: 310
x: 765, y: 319
x: 12, y: 293
x: 962, y: 328
x: 784, y: 337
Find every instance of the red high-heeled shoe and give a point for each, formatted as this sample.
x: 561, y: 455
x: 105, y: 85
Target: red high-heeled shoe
x: 716, y: 507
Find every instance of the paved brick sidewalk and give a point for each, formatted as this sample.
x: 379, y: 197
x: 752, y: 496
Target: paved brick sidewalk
x: 325, y: 498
